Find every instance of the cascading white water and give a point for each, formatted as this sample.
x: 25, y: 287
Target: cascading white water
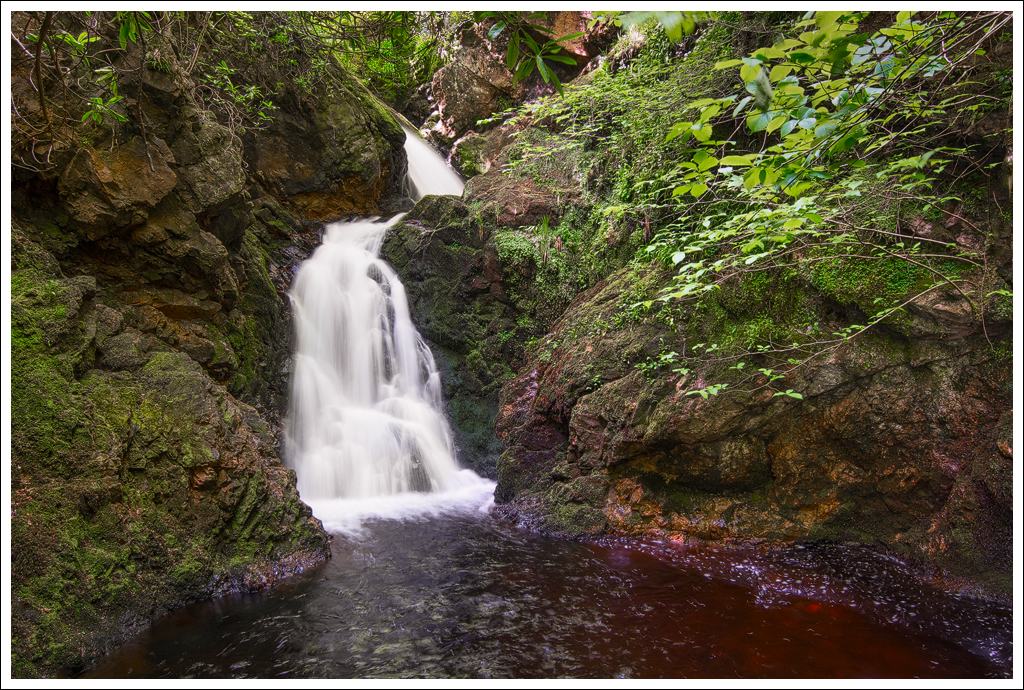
x: 428, y: 174
x: 367, y: 418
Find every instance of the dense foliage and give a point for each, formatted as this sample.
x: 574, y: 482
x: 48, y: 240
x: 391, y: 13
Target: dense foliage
x: 836, y: 111
x: 841, y: 134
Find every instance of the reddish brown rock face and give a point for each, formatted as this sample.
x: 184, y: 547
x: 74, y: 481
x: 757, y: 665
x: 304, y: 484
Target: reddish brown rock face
x: 895, y: 443
x: 105, y: 190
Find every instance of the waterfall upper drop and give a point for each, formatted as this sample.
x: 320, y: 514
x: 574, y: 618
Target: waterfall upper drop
x: 367, y: 417
x: 428, y: 174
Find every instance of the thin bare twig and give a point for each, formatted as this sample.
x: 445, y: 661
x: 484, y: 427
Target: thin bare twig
x: 39, y: 73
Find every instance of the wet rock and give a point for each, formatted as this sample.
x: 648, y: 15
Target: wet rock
x: 209, y: 159
x: 468, y: 155
x: 476, y: 99
x: 126, y: 451
x: 123, y: 351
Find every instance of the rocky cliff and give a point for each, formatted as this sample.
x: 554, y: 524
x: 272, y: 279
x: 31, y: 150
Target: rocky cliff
x: 152, y: 252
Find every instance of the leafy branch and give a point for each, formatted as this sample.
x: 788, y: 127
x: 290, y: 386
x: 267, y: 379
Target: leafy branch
x: 821, y: 111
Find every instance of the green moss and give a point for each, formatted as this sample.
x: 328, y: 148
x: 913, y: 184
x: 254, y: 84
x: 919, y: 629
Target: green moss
x: 254, y: 331
x: 575, y: 520
x: 855, y: 280
x: 517, y: 251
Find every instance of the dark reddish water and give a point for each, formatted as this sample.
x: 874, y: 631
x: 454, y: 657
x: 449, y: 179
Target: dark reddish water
x: 471, y: 597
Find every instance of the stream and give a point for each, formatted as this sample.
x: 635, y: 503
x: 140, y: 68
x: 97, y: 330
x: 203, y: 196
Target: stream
x: 453, y: 592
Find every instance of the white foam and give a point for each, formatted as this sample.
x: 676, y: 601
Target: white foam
x: 474, y: 497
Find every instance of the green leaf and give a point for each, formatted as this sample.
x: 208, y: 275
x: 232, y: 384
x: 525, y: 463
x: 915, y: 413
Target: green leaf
x: 700, y: 103
x: 758, y: 121
x: 513, y: 54
x: 697, y: 190
x: 779, y: 72
x: 710, y: 112
x: 543, y: 69
x: 524, y: 70
x: 824, y: 129
x: 737, y: 160
x: 556, y: 82
x: 708, y: 163
x: 776, y: 123
x: 846, y: 143
x: 678, y: 129
x: 495, y: 30
x: 726, y: 64
x: 824, y: 19
x: 739, y: 106
x: 701, y: 132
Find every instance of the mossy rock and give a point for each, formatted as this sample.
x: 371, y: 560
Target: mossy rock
x: 136, y: 488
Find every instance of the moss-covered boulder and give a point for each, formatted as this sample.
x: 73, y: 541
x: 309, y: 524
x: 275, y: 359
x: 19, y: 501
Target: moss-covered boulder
x: 468, y: 155
x: 138, y: 483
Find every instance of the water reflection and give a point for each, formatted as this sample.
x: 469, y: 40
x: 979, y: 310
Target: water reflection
x: 460, y: 596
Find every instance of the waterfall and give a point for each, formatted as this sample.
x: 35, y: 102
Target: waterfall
x: 367, y: 416
x: 428, y: 174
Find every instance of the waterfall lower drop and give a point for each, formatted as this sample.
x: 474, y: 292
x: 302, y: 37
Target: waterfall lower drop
x: 367, y: 433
